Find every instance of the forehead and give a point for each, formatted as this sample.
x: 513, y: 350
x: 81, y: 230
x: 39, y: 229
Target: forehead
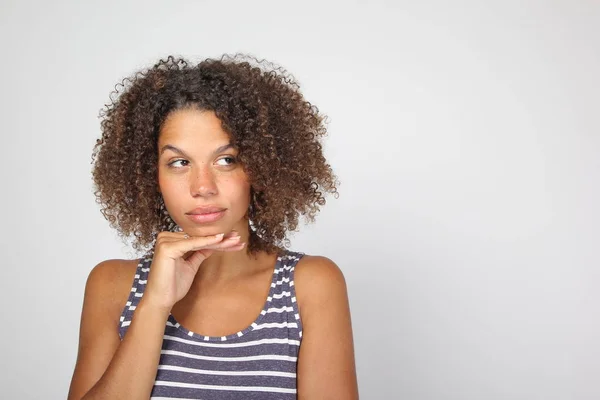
x: 192, y: 127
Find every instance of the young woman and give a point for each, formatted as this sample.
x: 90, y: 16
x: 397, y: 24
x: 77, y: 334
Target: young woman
x: 208, y: 167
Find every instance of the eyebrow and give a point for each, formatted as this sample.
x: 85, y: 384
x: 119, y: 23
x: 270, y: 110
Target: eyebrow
x: 181, y: 152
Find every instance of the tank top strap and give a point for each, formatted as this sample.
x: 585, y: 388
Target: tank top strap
x: 287, y: 293
x: 135, y: 295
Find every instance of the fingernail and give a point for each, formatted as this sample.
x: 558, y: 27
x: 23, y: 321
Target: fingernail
x: 220, y: 236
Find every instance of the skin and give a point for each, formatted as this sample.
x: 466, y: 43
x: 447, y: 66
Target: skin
x: 228, y: 289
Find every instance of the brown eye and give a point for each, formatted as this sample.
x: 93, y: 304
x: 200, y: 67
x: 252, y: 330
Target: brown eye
x: 171, y: 164
x: 229, y: 160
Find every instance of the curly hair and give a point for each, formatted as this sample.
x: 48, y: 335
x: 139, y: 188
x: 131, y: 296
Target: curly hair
x: 276, y: 131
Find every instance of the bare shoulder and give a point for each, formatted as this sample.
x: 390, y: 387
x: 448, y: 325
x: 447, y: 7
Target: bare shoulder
x: 106, y: 292
x: 326, y: 368
x: 318, y: 279
x: 111, y: 280
x: 113, y: 269
x: 319, y: 269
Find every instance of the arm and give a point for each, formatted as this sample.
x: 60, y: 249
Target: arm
x: 106, y: 367
x: 326, y: 368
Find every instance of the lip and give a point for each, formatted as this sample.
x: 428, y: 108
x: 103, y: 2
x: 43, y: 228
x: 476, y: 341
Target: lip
x: 206, y: 210
x: 202, y: 215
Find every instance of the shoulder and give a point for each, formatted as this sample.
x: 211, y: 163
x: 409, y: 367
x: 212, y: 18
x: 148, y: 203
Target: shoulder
x: 318, y: 271
x: 109, y: 282
x: 106, y: 292
x: 112, y: 272
x: 318, y: 279
x: 326, y: 367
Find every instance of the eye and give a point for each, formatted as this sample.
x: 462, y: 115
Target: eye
x: 228, y: 160
x: 171, y: 164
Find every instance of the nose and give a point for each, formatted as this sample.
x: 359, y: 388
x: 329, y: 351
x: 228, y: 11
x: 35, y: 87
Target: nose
x: 203, y: 183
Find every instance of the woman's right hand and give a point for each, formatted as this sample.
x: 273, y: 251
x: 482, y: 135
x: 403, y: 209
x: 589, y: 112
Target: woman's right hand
x: 176, y: 261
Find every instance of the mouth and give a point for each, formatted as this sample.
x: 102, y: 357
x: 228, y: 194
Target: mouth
x: 204, y: 215
x: 206, y: 210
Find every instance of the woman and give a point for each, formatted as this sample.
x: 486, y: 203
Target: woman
x: 209, y: 166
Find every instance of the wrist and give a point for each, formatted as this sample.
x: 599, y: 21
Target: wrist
x: 147, y: 303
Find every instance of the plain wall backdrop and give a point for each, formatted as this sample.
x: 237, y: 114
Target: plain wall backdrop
x: 466, y: 139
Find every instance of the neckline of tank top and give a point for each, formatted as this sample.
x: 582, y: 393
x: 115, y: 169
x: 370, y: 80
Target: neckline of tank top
x: 172, y: 322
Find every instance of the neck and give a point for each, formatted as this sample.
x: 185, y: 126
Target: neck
x: 225, y: 266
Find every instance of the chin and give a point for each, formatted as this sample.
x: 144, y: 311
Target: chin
x: 206, y: 230
x: 224, y: 225
x: 209, y: 229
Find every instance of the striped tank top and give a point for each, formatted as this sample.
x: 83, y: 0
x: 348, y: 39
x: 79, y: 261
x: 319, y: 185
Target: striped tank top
x: 258, y: 362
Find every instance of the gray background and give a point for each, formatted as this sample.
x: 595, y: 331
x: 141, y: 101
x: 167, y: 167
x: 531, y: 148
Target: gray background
x: 465, y: 135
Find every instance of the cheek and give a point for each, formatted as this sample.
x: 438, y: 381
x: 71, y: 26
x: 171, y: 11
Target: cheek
x: 167, y: 186
x: 161, y: 181
x: 238, y: 190
x: 171, y: 189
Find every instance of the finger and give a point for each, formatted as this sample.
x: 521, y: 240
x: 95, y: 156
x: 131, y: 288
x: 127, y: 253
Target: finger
x: 168, y: 236
x: 225, y: 243
x: 172, y: 235
x: 198, y: 258
x: 208, y: 250
x: 178, y: 248
x: 237, y: 247
x: 229, y: 240
x: 231, y: 234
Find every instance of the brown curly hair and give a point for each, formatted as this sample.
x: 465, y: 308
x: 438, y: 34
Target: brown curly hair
x: 276, y: 131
